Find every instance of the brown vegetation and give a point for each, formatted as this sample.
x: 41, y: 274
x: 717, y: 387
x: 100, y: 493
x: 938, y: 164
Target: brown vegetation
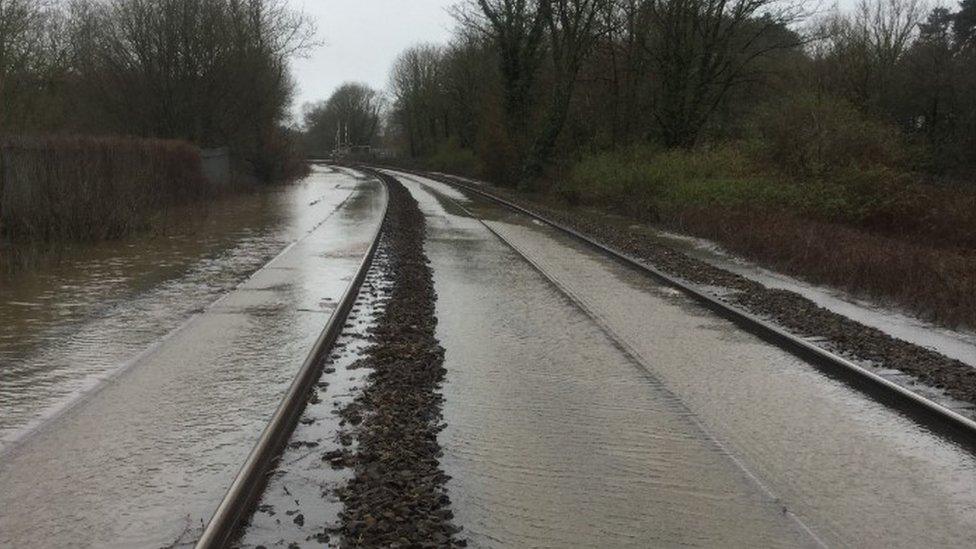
x: 85, y: 188
x: 935, y: 283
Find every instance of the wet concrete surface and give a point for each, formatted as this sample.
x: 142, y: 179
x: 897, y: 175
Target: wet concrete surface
x: 145, y: 457
x: 300, y: 503
x: 553, y: 437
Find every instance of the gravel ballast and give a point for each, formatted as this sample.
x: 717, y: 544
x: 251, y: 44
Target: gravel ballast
x: 397, y: 497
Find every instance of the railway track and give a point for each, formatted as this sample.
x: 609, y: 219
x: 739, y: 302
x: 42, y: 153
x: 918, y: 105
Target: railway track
x: 933, y: 415
x: 246, y: 488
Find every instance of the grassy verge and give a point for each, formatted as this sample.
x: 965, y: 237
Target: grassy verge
x: 870, y: 231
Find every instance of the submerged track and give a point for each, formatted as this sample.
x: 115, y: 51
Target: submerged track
x: 249, y: 482
x: 247, y: 487
x: 933, y: 415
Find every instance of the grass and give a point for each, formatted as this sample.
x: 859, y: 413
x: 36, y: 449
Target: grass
x: 449, y: 157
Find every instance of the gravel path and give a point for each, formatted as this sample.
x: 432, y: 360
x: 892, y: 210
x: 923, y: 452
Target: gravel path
x: 397, y: 497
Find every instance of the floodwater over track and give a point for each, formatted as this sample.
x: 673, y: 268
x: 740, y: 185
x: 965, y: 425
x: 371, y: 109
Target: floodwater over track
x: 957, y: 344
x: 68, y: 325
x: 157, y: 383
x: 300, y: 503
x: 553, y: 438
x: 551, y: 434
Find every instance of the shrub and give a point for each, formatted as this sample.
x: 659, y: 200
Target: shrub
x: 451, y: 158
x: 277, y: 157
x: 812, y: 136
x: 646, y: 182
x: 499, y: 154
x: 650, y: 184
x: 85, y: 188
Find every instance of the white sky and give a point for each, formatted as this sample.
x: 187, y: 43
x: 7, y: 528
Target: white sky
x: 361, y: 38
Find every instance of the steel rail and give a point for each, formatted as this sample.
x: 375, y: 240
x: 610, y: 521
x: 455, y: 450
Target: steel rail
x: 634, y: 356
x: 937, y: 417
x: 249, y: 482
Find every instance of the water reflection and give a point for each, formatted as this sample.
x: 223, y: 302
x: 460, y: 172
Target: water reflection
x: 553, y: 437
x: 145, y: 460
x: 68, y: 324
x: 851, y: 469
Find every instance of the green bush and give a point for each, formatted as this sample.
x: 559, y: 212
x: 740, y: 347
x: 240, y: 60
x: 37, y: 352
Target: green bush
x: 813, y: 136
x: 450, y: 157
x: 647, y: 182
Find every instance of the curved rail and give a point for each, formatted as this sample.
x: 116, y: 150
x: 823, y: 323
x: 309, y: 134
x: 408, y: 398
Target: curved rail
x: 936, y: 416
x: 250, y: 480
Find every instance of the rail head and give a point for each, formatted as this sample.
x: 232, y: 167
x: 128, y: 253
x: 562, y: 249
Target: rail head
x: 950, y: 423
x: 249, y: 482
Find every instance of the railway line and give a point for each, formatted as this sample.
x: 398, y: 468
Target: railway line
x: 189, y: 362
x: 246, y: 489
x: 941, y: 418
x: 251, y: 479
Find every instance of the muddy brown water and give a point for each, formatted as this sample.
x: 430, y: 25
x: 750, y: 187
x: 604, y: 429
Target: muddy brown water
x: 607, y: 410
x: 127, y: 418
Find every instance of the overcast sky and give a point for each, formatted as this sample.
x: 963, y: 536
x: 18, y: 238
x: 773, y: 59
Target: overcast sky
x: 361, y: 38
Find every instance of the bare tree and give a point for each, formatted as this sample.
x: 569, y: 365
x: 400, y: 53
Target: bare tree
x: 572, y: 27
x: 214, y: 72
x: 861, y: 52
x: 964, y: 24
x: 619, y: 64
x: 469, y: 81
x: 516, y: 28
x: 352, y: 113
x: 30, y: 54
x: 416, y: 82
x: 701, y: 49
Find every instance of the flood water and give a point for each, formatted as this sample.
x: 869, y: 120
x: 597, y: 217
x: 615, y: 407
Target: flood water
x: 560, y: 425
x: 157, y: 383
x: 69, y: 325
x: 301, y: 502
x: 553, y: 437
